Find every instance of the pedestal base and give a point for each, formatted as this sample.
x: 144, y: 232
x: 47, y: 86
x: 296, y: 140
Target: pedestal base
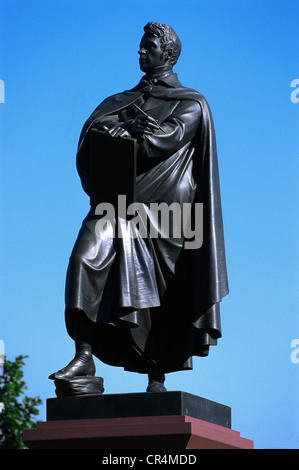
x: 129, y: 405
x: 157, y: 432
x: 166, y: 420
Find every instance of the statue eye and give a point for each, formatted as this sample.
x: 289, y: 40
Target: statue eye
x: 149, y: 45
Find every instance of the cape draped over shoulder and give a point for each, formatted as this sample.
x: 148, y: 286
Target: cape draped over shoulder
x: 187, y: 320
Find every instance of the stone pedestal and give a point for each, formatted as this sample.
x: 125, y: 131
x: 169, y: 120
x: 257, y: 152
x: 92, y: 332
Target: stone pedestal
x: 167, y: 420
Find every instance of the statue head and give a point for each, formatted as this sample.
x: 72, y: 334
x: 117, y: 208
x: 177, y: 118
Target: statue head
x: 159, y: 46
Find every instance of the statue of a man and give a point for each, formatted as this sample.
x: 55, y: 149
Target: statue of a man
x: 146, y: 303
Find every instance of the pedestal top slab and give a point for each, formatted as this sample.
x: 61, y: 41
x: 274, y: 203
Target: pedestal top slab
x: 138, y: 405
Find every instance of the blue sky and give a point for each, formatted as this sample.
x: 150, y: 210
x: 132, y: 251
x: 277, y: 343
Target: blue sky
x: 59, y: 59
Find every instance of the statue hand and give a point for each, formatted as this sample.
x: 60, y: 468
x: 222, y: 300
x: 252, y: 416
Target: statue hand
x: 117, y: 132
x: 143, y: 125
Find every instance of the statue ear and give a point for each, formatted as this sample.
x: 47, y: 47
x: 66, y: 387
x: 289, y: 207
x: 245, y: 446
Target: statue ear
x: 169, y: 53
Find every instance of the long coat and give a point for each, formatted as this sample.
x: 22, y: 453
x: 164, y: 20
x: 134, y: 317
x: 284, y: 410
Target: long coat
x: 153, y: 301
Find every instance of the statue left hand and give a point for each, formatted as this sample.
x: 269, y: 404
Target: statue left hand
x: 117, y: 132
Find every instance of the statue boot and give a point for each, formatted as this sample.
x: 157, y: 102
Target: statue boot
x: 81, y: 365
x: 156, y: 380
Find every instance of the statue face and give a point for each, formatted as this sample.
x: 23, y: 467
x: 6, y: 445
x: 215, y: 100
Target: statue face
x: 150, y: 54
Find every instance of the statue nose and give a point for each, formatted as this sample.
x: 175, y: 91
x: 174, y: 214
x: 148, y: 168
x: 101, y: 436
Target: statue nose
x: 142, y: 51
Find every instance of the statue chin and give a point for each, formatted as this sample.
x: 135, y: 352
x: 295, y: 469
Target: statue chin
x: 155, y: 71
x: 145, y: 68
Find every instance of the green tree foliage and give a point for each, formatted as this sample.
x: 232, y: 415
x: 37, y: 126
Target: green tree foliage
x: 17, y: 411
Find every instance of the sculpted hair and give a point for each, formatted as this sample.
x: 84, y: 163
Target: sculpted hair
x: 170, y: 42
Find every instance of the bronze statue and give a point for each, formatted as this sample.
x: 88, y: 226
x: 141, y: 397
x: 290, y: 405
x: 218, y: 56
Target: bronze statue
x: 145, y: 303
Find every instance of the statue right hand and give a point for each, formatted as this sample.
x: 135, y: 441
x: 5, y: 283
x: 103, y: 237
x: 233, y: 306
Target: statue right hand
x: 143, y: 125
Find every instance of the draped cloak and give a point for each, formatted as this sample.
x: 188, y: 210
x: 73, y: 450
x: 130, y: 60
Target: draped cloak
x: 153, y: 301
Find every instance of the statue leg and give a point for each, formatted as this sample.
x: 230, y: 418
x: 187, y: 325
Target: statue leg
x: 82, y: 364
x: 88, y: 270
x: 156, y: 380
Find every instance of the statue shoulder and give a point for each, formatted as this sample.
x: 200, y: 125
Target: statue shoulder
x: 110, y: 100
x: 191, y: 94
